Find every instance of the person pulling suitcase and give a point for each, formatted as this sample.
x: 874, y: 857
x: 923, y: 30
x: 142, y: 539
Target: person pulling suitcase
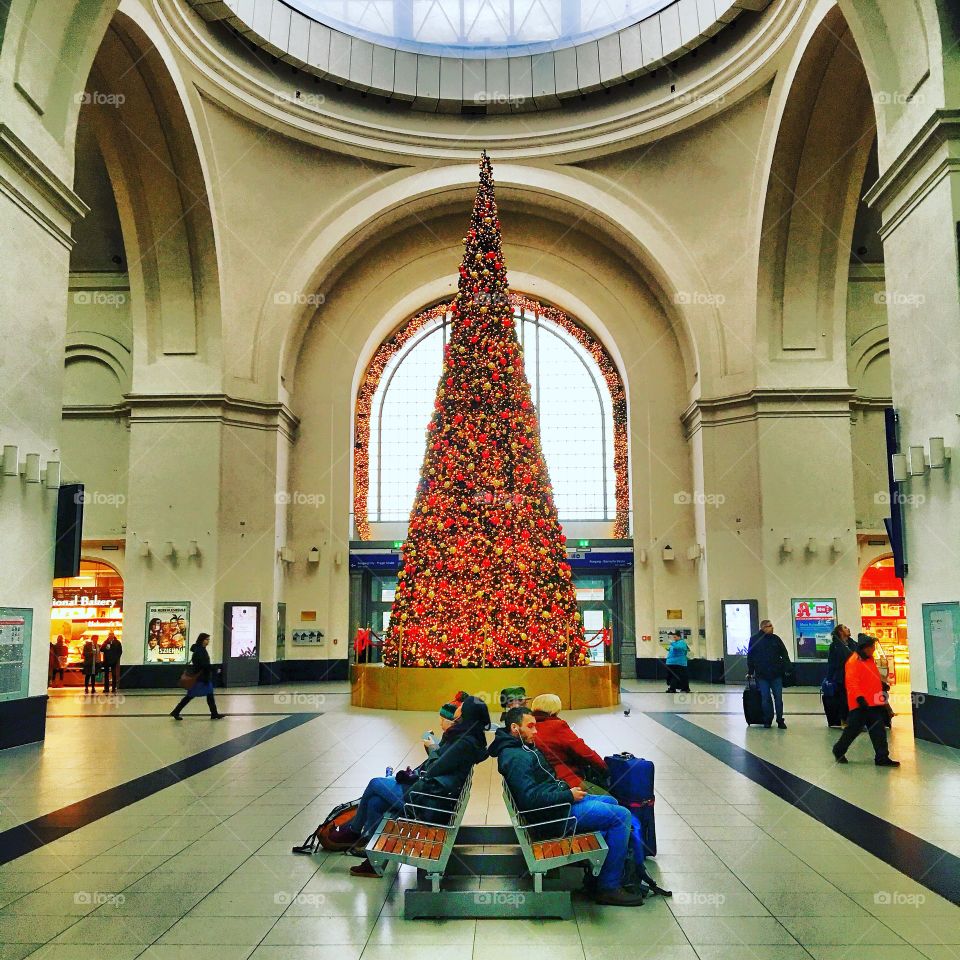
x: 768, y: 661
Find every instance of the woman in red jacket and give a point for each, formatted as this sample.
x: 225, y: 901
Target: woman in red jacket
x: 867, y: 702
x: 570, y: 757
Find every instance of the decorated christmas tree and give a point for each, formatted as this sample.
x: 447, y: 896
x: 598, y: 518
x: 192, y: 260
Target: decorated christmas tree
x: 484, y: 577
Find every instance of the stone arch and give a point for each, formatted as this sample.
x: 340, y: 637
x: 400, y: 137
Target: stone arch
x: 636, y: 231
x: 825, y: 129
x: 144, y: 126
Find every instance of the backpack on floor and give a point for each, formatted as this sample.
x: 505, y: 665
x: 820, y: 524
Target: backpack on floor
x: 320, y: 838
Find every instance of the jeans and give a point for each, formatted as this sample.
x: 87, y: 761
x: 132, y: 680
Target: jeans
x: 874, y: 719
x: 767, y: 687
x: 606, y: 816
x: 382, y: 795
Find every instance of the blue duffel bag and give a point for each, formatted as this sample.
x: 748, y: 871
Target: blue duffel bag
x: 631, y: 783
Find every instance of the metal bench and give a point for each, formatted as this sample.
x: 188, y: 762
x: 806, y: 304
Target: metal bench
x: 549, y: 839
x: 424, y: 836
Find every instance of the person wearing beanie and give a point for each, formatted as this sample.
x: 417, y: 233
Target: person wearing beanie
x: 867, y: 702
x: 569, y: 756
x: 448, y: 714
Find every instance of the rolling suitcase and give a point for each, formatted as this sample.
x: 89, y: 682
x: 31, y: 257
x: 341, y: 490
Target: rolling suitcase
x: 752, y: 704
x: 631, y: 783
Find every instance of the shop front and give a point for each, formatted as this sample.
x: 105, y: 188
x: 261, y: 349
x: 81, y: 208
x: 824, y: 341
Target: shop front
x: 86, y: 607
x: 883, y: 613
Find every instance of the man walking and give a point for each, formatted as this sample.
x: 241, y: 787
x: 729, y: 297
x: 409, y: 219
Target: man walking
x: 768, y: 661
x: 534, y: 785
x: 112, y: 651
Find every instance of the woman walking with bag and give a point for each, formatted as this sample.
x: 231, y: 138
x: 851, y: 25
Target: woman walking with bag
x: 202, y: 685
x: 833, y: 689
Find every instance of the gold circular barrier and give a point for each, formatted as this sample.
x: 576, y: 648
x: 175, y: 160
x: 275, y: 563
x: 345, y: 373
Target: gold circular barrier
x: 421, y: 688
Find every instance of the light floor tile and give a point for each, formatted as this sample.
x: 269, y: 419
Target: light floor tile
x: 26, y: 929
x: 218, y: 930
x: 748, y: 931
x: 840, y: 930
x: 100, y: 929
x: 321, y: 931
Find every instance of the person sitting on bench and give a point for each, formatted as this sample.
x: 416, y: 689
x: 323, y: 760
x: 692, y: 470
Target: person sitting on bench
x: 533, y: 785
x: 462, y: 746
x: 572, y: 760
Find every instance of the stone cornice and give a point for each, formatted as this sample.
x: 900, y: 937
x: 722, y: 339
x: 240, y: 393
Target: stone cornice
x: 918, y: 169
x: 213, y: 408
x: 36, y: 189
x: 766, y: 403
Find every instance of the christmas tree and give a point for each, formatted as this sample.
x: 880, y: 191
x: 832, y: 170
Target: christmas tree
x: 484, y: 577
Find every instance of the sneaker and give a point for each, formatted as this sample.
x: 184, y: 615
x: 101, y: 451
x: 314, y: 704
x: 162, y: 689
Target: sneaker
x: 217, y: 716
x: 364, y: 869
x: 887, y: 762
x: 175, y: 715
x: 782, y: 724
x: 618, y: 897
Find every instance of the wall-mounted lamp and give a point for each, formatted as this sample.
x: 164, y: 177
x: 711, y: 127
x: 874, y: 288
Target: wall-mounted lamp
x: 313, y: 555
x: 194, y: 549
x: 32, y: 472
x: 694, y: 552
x: 169, y: 549
x: 286, y: 555
x: 812, y: 545
x: 899, y: 466
x: 51, y: 475
x: 144, y: 548
x: 11, y: 460
x: 668, y: 553
x: 338, y: 559
x: 836, y: 545
x: 939, y: 454
x: 786, y: 546
x: 918, y: 462
x: 642, y: 556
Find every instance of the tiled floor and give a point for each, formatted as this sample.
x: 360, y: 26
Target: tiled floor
x: 202, y: 869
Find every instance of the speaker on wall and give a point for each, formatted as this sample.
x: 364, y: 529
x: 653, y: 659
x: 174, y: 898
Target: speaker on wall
x: 66, y: 559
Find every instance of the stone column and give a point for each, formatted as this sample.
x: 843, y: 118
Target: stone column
x: 919, y: 198
x: 38, y: 210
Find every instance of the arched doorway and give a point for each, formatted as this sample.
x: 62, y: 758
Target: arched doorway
x: 88, y: 606
x: 883, y: 613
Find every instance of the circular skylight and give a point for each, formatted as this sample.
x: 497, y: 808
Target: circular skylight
x: 479, y: 27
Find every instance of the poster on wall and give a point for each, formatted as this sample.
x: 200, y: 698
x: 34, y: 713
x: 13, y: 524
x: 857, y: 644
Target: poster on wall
x: 16, y: 628
x: 168, y: 632
x: 941, y: 640
x: 739, y: 617
x: 813, y: 623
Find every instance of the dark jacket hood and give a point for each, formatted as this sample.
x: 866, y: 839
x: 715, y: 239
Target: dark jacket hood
x: 504, y: 740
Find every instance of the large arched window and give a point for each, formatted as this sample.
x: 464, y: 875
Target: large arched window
x: 577, y: 391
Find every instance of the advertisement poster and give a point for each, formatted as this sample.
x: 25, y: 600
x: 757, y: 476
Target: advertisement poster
x: 737, y: 626
x: 941, y: 637
x: 243, y: 632
x: 813, y: 623
x: 16, y: 626
x: 168, y: 633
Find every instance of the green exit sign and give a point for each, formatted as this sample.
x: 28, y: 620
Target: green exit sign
x: 583, y: 543
x: 397, y: 544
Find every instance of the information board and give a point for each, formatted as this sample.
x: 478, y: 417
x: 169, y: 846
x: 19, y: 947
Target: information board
x: 16, y: 628
x: 941, y: 638
x: 813, y: 624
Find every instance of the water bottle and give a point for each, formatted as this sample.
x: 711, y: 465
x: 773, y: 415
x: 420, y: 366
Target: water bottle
x: 389, y: 772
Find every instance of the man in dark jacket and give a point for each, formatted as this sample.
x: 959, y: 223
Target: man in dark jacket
x: 533, y: 785
x: 768, y: 661
x: 112, y: 651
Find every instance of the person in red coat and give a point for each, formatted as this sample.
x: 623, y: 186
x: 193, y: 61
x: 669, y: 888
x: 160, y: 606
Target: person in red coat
x: 570, y: 757
x: 868, y: 704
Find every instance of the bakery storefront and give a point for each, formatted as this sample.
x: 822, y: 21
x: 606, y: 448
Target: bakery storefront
x: 883, y: 612
x: 86, y: 607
